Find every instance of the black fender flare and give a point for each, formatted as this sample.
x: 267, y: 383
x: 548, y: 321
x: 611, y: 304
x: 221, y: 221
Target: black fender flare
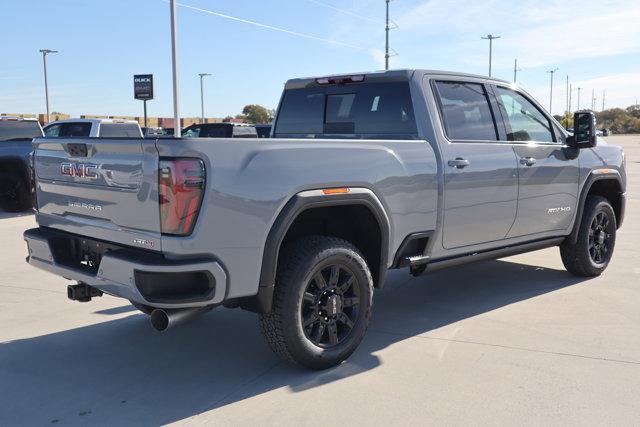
x: 593, y: 177
x: 292, y: 209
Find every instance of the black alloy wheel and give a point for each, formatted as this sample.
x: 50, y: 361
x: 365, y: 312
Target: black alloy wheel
x: 330, y: 305
x: 600, y: 232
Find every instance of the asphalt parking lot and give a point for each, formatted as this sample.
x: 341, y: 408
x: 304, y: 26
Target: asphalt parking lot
x: 517, y: 340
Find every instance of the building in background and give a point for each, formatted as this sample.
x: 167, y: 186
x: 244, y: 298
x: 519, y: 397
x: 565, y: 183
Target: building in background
x: 163, y: 122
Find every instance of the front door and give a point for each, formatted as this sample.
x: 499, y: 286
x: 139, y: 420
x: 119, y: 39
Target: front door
x: 480, y: 172
x: 548, y: 170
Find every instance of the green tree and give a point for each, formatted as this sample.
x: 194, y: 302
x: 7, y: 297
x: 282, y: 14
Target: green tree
x: 634, y: 110
x: 565, y: 120
x: 617, y: 119
x: 257, y: 114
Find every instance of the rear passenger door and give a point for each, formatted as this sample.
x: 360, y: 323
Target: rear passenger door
x: 480, y: 170
x: 548, y: 169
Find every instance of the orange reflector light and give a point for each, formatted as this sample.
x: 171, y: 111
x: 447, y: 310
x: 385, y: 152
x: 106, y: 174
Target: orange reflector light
x: 603, y: 171
x: 341, y: 190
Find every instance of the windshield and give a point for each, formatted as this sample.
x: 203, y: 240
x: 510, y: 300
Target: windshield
x: 26, y: 129
x: 373, y: 110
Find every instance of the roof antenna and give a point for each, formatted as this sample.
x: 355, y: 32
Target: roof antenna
x: 386, y: 29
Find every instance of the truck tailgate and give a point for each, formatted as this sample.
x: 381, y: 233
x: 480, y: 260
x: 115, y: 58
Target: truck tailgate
x: 105, y: 188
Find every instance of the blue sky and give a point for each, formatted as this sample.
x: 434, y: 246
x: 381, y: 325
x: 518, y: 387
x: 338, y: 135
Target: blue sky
x: 103, y: 43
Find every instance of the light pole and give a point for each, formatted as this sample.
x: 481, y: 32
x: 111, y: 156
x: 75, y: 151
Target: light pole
x: 567, y: 97
x: 579, y: 89
x: 490, y: 38
x: 551, y: 92
x: 46, y: 83
x: 174, y: 64
x: 515, y: 69
x: 386, y: 31
x: 202, y: 75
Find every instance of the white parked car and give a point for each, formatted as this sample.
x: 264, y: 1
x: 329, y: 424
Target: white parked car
x: 93, y: 128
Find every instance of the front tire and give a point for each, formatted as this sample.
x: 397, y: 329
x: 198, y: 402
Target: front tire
x: 591, y: 253
x: 321, y: 304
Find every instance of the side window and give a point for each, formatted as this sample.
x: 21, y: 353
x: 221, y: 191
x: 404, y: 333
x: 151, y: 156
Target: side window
x: 466, y: 112
x: 192, y: 132
x: 75, y: 130
x: 52, y: 131
x: 525, y: 122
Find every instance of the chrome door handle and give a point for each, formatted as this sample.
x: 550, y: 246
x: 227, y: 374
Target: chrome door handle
x: 458, y: 162
x: 527, y: 161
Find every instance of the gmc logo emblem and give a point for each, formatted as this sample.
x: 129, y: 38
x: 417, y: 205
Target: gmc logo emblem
x: 80, y: 170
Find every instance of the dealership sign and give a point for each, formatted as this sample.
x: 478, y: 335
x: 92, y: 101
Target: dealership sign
x: 143, y: 86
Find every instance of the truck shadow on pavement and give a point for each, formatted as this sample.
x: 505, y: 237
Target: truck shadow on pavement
x: 121, y: 371
x: 8, y: 215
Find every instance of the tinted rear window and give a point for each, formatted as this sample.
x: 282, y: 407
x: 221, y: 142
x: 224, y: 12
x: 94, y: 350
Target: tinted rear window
x: 244, y: 132
x: 119, y: 130
x: 371, y: 110
x: 19, y: 130
x: 82, y: 129
x: 217, y: 131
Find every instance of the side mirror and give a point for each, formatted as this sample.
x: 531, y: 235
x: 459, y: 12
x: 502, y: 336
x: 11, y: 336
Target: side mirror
x: 584, y: 130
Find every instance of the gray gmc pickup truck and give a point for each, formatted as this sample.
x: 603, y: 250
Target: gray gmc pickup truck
x: 367, y: 172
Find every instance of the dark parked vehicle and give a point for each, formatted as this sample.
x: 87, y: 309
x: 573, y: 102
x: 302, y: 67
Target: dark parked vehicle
x: 16, y: 134
x: 264, y: 131
x: 220, y: 130
x: 365, y: 173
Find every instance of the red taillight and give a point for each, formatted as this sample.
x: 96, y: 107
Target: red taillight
x: 339, y: 80
x: 181, y: 186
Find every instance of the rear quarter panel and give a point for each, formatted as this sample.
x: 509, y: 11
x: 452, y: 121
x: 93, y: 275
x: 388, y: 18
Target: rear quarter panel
x: 249, y: 181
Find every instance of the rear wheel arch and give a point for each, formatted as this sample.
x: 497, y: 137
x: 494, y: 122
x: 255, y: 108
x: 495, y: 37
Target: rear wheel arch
x: 302, y: 215
x: 16, y: 166
x: 608, y: 186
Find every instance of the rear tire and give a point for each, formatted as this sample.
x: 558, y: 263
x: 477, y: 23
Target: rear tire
x: 14, y: 193
x: 591, y: 253
x: 321, y: 304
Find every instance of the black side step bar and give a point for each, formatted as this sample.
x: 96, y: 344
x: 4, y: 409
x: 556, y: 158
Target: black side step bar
x: 491, y: 254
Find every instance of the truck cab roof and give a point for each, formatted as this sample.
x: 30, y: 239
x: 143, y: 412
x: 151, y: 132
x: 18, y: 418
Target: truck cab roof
x: 98, y: 121
x: 17, y: 119
x: 378, y: 76
x: 13, y: 128
x: 92, y: 128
